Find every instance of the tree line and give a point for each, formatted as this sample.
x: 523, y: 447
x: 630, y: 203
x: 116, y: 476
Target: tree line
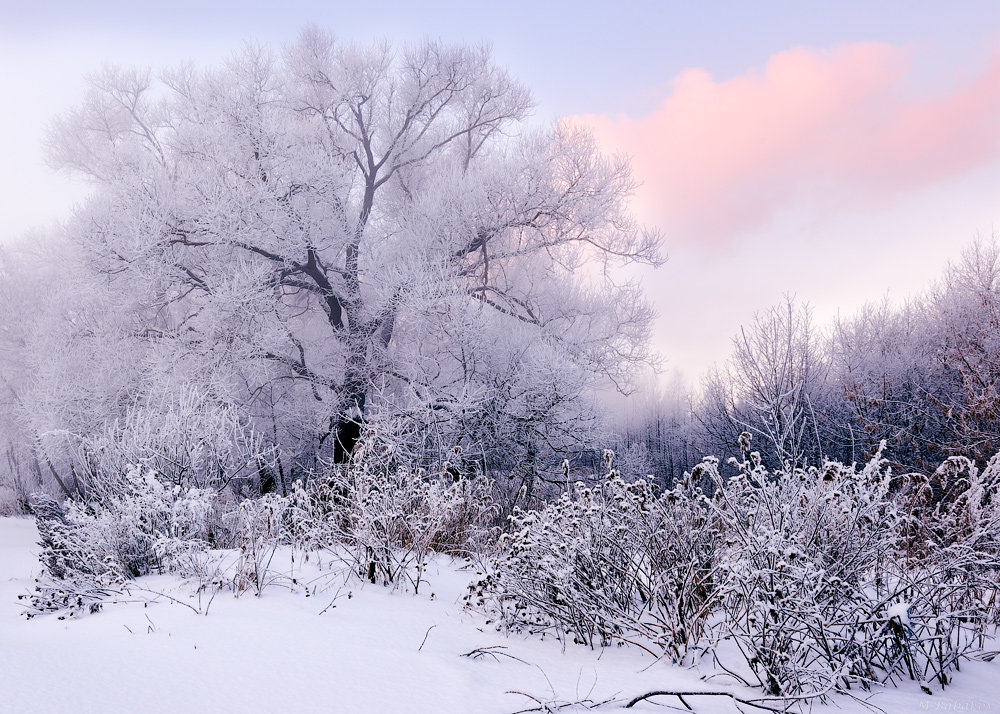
x: 921, y: 375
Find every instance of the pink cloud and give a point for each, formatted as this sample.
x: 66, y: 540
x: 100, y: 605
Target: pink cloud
x: 719, y: 158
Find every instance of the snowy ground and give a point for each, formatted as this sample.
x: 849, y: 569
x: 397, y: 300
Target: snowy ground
x: 376, y: 651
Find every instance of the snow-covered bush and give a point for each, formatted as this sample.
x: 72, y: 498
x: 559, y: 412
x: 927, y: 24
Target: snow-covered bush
x: 259, y: 531
x: 804, y: 582
x: 948, y: 564
x: 187, y: 438
x: 609, y: 564
x: 824, y: 587
x: 389, y: 517
x: 383, y: 518
x: 138, y: 526
x: 802, y: 571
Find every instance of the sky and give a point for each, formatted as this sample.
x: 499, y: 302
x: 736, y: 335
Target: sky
x: 836, y: 151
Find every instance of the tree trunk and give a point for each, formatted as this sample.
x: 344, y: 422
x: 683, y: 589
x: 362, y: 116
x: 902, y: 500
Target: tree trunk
x: 347, y: 431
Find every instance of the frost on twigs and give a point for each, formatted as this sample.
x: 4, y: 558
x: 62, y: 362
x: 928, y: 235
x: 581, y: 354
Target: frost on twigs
x: 383, y: 519
x: 90, y: 548
x: 614, y: 564
x: 802, y: 582
x: 390, y: 518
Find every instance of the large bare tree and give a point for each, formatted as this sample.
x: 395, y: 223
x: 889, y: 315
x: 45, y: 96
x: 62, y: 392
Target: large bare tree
x: 335, y: 229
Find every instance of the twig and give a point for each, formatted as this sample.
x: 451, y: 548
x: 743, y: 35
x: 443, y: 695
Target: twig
x: 425, y: 637
x: 208, y: 607
x: 189, y: 606
x: 335, y: 598
x: 681, y: 695
x: 493, y: 651
x: 555, y: 705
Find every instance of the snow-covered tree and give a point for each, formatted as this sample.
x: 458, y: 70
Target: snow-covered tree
x: 774, y: 387
x: 923, y: 376
x: 335, y: 232
x: 967, y: 335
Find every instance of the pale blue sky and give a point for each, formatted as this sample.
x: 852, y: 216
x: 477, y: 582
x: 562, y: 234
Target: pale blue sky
x: 577, y: 56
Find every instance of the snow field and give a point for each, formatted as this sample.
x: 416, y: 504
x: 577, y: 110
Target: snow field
x: 373, y: 650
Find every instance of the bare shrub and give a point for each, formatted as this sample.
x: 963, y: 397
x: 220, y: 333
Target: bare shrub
x: 613, y: 563
x: 801, y: 571
x: 137, y: 527
x: 803, y: 582
x: 391, y: 518
x: 259, y: 531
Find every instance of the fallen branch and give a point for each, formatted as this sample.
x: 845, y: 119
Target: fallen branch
x: 129, y: 587
x: 555, y: 705
x: 680, y: 695
x: 493, y: 651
